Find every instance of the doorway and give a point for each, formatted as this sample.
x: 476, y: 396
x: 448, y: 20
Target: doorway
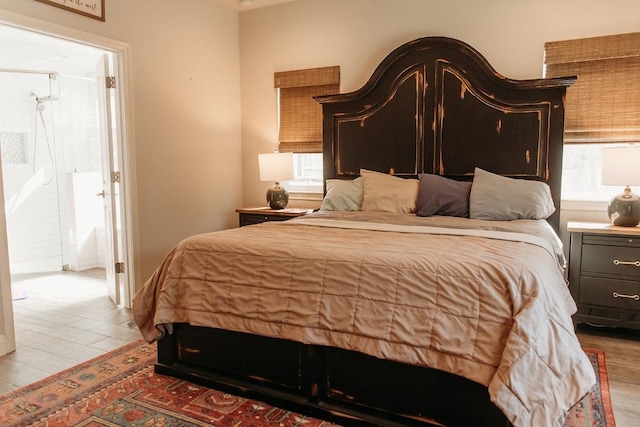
x: 53, y: 159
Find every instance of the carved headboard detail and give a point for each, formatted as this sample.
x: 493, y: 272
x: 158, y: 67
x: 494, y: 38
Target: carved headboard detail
x: 435, y: 105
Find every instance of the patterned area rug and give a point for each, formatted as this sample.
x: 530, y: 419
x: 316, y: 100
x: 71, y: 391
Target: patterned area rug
x: 595, y: 409
x: 121, y: 389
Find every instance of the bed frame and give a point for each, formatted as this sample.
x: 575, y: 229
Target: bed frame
x: 433, y: 105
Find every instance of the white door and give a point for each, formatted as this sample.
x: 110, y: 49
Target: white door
x: 7, y: 332
x: 109, y: 184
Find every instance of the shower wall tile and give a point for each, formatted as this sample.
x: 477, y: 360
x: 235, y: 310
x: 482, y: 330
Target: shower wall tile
x: 101, y: 245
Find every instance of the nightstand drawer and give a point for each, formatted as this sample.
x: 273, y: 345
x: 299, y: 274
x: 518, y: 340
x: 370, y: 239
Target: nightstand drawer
x: 249, y: 216
x: 610, y: 293
x: 610, y: 260
x: 247, y: 219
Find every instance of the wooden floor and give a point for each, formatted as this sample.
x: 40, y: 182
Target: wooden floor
x: 67, y: 318
x: 622, y: 356
x: 61, y: 319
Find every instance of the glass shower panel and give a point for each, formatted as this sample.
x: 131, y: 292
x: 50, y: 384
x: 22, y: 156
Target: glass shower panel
x: 31, y: 137
x: 83, y: 170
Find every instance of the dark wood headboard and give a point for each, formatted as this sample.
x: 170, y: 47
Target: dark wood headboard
x: 435, y: 105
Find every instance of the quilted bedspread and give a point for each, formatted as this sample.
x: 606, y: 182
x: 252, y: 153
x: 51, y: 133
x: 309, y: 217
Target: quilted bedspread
x: 484, y: 300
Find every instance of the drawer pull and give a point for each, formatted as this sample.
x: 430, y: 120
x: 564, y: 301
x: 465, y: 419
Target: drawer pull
x: 618, y: 262
x: 635, y: 297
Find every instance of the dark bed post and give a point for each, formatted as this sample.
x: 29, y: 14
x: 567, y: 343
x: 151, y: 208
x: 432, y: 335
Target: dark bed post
x: 168, y: 348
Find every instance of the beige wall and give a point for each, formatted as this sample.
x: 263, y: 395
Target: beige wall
x: 186, y: 113
x: 358, y: 34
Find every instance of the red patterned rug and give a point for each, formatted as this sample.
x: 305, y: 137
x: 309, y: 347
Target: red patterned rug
x: 595, y: 409
x: 121, y: 389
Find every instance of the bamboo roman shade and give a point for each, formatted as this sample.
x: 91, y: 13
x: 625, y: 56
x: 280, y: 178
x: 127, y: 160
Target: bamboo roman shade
x: 604, y: 104
x: 300, y: 115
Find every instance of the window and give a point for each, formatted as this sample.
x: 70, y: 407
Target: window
x: 300, y: 121
x: 602, y: 107
x: 581, y: 174
x: 307, y: 170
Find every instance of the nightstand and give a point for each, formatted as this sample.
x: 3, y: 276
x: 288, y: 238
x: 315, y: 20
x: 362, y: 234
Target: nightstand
x: 248, y: 216
x: 604, y: 274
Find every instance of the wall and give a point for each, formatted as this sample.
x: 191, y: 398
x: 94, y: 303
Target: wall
x: 185, y: 116
x: 358, y: 34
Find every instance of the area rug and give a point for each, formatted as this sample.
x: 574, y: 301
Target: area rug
x: 121, y: 389
x: 595, y: 409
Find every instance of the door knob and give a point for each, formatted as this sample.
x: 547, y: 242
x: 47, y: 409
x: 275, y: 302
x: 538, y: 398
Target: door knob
x: 100, y: 194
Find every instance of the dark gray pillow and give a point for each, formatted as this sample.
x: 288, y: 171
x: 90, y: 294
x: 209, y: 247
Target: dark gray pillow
x: 442, y: 196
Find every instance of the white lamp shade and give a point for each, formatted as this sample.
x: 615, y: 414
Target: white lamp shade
x: 275, y: 166
x: 621, y: 165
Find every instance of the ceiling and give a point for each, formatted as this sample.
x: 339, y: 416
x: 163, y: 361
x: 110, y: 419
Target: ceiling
x: 26, y: 50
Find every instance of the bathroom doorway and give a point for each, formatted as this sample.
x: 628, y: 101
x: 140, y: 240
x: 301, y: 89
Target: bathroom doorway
x: 52, y: 135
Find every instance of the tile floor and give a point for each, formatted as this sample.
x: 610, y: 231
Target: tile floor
x: 61, y: 319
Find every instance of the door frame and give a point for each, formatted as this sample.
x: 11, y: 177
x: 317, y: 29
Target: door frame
x: 121, y: 53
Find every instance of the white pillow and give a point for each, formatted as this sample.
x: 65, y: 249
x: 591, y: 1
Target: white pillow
x: 387, y: 193
x: 498, y: 198
x: 343, y: 195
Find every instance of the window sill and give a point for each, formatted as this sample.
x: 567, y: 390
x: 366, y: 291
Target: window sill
x: 583, y: 205
x: 306, y: 195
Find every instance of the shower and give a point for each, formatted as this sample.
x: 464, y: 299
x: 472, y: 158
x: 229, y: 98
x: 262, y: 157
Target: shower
x: 40, y: 106
x: 36, y: 197
x: 40, y: 100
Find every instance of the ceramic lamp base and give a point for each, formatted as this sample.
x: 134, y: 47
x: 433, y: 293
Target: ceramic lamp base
x: 277, y: 196
x: 624, y: 209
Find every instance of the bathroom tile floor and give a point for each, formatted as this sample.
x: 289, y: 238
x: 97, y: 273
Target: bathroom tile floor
x: 61, y: 319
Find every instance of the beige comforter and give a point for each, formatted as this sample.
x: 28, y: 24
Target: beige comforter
x: 481, y: 305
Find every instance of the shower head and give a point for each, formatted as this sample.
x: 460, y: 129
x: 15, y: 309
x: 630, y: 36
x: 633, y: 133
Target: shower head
x: 40, y: 100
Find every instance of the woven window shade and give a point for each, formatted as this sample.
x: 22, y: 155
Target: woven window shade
x: 604, y: 104
x: 300, y: 115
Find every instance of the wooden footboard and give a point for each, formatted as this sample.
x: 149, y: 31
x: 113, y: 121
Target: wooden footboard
x: 342, y: 386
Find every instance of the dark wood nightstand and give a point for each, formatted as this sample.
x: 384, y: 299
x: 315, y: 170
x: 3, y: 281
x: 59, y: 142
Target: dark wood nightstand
x: 604, y: 274
x: 248, y: 216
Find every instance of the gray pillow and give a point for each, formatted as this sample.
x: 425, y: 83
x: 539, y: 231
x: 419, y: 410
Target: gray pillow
x: 343, y: 195
x: 438, y: 195
x: 498, y: 198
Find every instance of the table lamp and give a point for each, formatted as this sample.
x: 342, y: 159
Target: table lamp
x: 621, y: 166
x: 276, y: 167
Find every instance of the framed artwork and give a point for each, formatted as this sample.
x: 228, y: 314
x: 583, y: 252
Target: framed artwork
x: 91, y: 8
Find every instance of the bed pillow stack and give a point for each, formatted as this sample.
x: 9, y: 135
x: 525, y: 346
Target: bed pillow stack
x: 489, y: 197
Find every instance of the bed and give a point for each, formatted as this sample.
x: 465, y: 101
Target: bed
x: 427, y: 290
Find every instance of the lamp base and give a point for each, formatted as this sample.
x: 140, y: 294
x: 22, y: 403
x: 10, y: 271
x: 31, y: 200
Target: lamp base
x: 624, y: 209
x: 277, y: 196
